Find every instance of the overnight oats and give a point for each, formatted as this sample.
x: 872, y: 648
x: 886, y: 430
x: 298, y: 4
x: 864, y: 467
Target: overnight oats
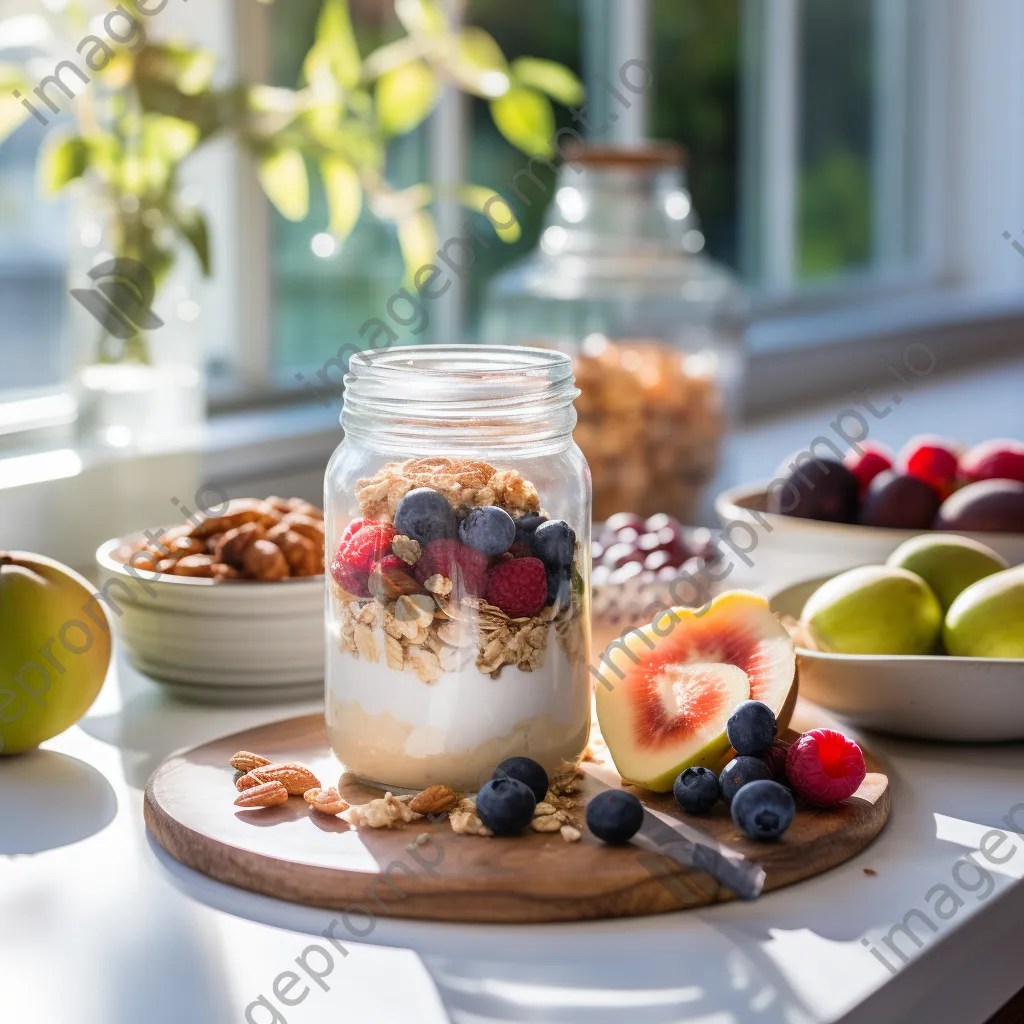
x: 458, y: 518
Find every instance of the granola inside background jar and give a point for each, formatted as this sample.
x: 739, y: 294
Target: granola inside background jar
x: 620, y: 281
x: 444, y: 657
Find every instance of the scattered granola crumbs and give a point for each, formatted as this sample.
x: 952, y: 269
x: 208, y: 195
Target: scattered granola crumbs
x: 385, y: 812
x: 548, y: 823
x: 571, y: 834
x: 464, y: 820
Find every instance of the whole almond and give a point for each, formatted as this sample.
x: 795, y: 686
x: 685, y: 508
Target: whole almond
x: 245, y: 761
x: 433, y: 800
x: 297, y: 779
x: 327, y: 801
x: 267, y: 794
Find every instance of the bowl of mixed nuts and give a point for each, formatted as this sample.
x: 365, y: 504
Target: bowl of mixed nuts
x: 226, y: 607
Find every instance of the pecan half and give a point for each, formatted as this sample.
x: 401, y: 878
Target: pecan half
x: 434, y: 799
x: 296, y: 778
x: 268, y: 794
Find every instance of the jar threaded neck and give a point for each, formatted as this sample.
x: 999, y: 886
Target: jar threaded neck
x: 474, y: 396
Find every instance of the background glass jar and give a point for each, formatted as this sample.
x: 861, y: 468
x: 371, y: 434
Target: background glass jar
x: 458, y: 528
x: 653, y: 326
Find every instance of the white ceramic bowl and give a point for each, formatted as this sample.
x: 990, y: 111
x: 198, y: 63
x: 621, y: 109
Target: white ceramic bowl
x: 235, y: 641
x: 935, y: 697
x: 787, y: 548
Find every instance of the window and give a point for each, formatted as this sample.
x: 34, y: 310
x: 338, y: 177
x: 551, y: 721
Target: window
x: 839, y: 151
x: 321, y: 292
x: 33, y: 255
x: 842, y: 111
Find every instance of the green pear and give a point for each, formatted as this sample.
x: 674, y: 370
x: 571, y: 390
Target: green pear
x: 987, y: 619
x: 54, y: 649
x: 948, y: 563
x: 876, y: 609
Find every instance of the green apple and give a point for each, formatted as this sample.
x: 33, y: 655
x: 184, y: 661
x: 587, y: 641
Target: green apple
x: 987, y: 619
x: 876, y: 609
x: 54, y: 649
x: 948, y: 563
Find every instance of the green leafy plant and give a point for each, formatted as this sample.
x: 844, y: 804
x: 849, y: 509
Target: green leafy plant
x: 152, y: 105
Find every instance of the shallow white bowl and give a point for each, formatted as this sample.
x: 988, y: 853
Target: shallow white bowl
x: 789, y: 548
x: 934, y: 697
x: 231, y: 641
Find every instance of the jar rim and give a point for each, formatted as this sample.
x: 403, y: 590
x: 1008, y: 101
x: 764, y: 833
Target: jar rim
x: 463, y: 362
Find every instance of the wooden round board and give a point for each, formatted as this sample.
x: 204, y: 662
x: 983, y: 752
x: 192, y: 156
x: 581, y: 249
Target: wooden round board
x: 296, y: 854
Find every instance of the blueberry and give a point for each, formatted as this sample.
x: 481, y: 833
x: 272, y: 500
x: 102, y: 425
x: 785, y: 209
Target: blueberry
x: 738, y: 772
x: 488, y: 529
x: 425, y: 515
x: 525, y: 525
x: 554, y: 543
x: 615, y: 816
x: 559, y: 587
x: 505, y: 805
x: 763, y: 810
x: 527, y: 771
x: 751, y: 728
x: 696, y: 790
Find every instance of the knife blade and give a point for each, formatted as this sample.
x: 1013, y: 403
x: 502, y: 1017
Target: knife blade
x: 743, y: 877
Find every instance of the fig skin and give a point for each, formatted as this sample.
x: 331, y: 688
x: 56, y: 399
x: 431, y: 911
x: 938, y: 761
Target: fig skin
x: 989, y: 506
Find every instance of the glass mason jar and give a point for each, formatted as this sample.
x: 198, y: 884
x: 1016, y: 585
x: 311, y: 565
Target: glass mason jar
x: 653, y: 326
x: 458, y: 525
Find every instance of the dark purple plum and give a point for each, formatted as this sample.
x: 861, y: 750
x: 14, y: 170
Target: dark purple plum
x: 822, y: 489
x: 899, y: 502
x: 989, y: 506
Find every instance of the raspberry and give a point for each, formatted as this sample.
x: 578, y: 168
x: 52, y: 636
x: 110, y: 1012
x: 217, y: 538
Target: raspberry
x: 357, y: 552
x: 933, y: 460
x: 868, y: 463
x: 519, y: 587
x: 466, y: 568
x: 824, y: 767
x: 354, y: 527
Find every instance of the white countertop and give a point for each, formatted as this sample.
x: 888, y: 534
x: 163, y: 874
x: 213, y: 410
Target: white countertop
x: 100, y: 927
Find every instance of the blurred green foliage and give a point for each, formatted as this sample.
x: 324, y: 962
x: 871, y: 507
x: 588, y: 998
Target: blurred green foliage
x: 150, y: 105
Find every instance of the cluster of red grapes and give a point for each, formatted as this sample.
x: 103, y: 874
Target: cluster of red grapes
x: 659, y: 548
